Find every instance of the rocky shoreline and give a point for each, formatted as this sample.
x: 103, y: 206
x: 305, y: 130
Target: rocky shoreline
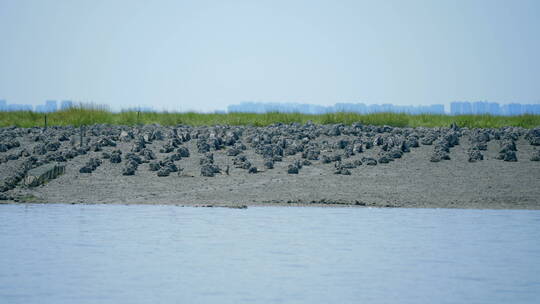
x: 287, y: 165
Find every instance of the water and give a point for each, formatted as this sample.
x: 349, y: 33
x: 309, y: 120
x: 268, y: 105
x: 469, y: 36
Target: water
x: 168, y: 254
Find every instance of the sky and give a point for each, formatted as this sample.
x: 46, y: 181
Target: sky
x: 204, y: 55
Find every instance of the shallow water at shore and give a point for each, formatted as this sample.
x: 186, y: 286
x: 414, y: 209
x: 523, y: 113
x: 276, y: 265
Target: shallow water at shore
x: 143, y: 254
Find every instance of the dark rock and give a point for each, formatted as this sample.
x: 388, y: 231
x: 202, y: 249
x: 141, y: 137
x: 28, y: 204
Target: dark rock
x: 395, y: 153
x: 334, y: 130
x: 167, y: 148
x: 115, y: 158
x: 535, y: 141
x: 358, y: 148
x: 138, y: 145
x: 442, y: 145
x: 342, y: 144
x: 40, y: 149
x: 481, y: 146
x: 233, y: 152
x: 252, y: 170
x: 439, y: 155
x: 86, y: 169
x: 154, y: 166
x: 269, y: 164
x: 207, y: 158
x: 508, y: 155
x: 56, y: 156
x: 346, y: 165
x: 507, y: 145
x: 428, y: 140
x: 209, y: 170
x: 94, y: 162
x: 475, y: 155
x: 331, y: 158
x: 245, y: 165
x: 277, y: 158
x: 369, y: 161
x: 311, y: 154
x: 53, y: 146
x: 63, y: 137
x: 203, y: 147
x: 170, y: 166
x: 95, y: 147
x: 106, y: 142
x: 12, y: 157
x: 163, y: 172
x: 342, y: 171
x: 129, y: 170
x: 130, y: 166
x: 412, y: 142
x: 183, y: 151
x: 384, y: 159
x: 239, y: 160
x: 536, y: 156
x: 24, y: 153
x: 378, y: 140
x: 291, y: 150
x: 326, y: 159
x: 5, y: 197
x: 147, y: 154
x: 133, y: 157
x: 292, y: 169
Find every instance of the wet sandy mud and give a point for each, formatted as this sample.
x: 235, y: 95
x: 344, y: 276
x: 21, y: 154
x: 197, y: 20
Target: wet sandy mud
x: 293, y: 165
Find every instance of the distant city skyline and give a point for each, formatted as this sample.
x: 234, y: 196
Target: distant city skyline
x: 455, y: 108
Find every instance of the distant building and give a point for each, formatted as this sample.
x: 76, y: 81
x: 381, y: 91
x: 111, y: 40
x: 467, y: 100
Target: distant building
x: 48, y: 107
x: 531, y: 109
x: 66, y: 104
x: 480, y: 107
x: 361, y: 108
x: 494, y: 108
x: 467, y: 108
x: 456, y: 108
x: 41, y: 109
x: 19, y: 107
x: 51, y: 106
x: 512, y: 109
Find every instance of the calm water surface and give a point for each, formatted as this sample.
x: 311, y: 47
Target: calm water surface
x: 168, y: 254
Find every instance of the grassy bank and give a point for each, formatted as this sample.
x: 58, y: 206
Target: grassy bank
x: 85, y: 116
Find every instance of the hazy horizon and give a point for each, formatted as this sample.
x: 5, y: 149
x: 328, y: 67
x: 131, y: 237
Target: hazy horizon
x: 206, y: 55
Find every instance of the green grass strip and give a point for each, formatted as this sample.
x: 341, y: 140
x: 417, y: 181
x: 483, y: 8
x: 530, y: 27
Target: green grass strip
x: 87, y: 115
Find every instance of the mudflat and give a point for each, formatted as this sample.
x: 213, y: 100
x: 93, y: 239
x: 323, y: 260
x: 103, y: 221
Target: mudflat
x: 294, y: 165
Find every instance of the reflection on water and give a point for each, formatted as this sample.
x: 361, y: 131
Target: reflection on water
x: 168, y: 254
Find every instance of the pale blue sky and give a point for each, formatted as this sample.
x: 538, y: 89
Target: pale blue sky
x: 205, y: 55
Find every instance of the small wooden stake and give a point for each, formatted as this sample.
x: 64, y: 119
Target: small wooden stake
x: 82, y: 135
